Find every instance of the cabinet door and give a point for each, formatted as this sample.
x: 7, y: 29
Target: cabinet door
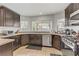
x: 16, y: 20
x: 9, y: 21
x: 68, y: 11
x: 6, y: 50
x: 71, y: 8
x: 57, y: 42
x: 75, y: 6
x: 17, y: 42
x: 1, y: 17
x: 67, y: 16
x: 9, y: 18
x: 35, y: 39
x: 24, y: 39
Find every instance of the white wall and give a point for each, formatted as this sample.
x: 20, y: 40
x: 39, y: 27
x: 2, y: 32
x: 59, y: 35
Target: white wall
x: 25, y: 23
x: 58, y: 17
x: 45, y: 18
x: 53, y: 18
x: 8, y: 29
x: 25, y: 19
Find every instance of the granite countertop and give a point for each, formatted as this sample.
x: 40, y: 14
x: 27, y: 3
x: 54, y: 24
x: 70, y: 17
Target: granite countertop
x: 22, y: 33
x: 5, y: 41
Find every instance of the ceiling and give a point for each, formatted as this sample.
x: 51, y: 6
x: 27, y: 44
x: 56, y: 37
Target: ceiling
x: 34, y: 9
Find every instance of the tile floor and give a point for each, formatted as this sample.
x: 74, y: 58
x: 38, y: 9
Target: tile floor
x: 29, y: 50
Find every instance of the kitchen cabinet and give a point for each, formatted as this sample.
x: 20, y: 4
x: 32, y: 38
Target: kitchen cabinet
x: 72, y: 7
x: 6, y: 49
x: 17, y: 42
x: 1, y: 17
x: 16, y: 20
x: 69, y: 10
x: 24, y: 39
x: 56, y: 41
x: 9, y: 18
x: 67, y: 16
x: 35, y: 39
x: 9, y: 21
x: 75, y: 6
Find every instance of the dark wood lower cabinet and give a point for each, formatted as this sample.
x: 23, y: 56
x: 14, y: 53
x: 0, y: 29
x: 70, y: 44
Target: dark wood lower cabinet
x: 24, y: 39
x: 56, y: 41
x: 17, y: 42
x: 31, y: 39
x: 6, y: 50
x: 35, y: 39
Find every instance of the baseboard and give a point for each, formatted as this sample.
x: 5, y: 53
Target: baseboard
x: 48, y: 46
x: 35, y: 45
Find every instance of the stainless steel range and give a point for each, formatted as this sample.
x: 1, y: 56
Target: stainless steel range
x: 71, y: 42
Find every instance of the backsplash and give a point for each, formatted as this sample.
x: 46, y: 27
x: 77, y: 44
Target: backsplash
x: 75, y: 28
x: 8, y: 28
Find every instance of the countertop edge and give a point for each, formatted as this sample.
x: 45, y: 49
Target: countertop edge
x: 5, y: 41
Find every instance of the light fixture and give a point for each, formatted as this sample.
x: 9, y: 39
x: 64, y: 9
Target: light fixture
x: 40, y: 13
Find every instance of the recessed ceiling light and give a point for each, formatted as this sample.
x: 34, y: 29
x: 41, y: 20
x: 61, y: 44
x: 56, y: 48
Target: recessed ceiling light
x: 40, y: 13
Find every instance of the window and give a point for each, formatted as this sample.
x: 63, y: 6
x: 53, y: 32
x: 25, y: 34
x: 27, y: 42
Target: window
x: 61, y: 24
x: 41, y: 26
x: 25, y: 26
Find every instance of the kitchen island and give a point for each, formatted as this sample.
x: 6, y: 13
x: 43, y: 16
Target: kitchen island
x: 6, y: 47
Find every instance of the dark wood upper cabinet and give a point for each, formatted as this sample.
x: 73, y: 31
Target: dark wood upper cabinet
x: 1, y: 17
x: 72, y: 7
x: 67, y: 16
x: 16, y: 20
x: 9, y: 18
x: 75, y: 6
x: 9, y: 21
x: 69, y: 10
